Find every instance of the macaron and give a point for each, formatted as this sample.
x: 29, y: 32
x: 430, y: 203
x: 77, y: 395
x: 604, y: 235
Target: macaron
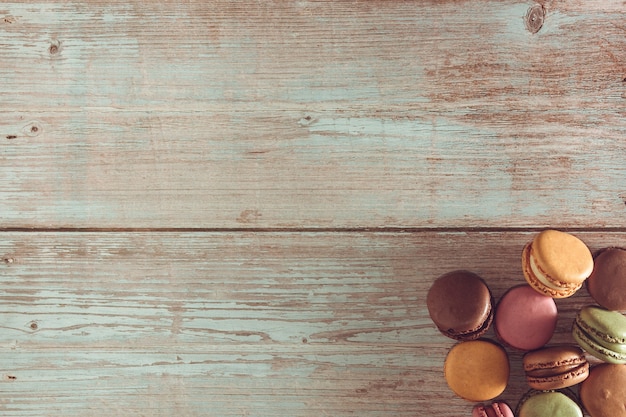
x: 602, y: 333
x: 607, y: 283
x: 555, y: 367
x: 524, y: 319
x: 548, y: 403
x: 603, y: 394
x: 556, y: 263
x: 496, y: 409
x: 477, y: 370
x: 460, y: 305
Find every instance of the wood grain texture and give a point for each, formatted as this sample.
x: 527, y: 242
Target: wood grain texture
x: 237, y: 208
x: 260, y: 324
x: 312, y: 114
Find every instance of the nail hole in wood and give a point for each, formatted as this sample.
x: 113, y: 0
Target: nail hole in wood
x: 33, y: 326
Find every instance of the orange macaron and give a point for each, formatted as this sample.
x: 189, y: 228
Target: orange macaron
x: 477, y: 370
x: 556, y: 263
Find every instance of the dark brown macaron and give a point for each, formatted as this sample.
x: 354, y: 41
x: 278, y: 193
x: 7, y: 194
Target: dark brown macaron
x: 607, y: 283
x: 603, y: 393
x: 461, y: 305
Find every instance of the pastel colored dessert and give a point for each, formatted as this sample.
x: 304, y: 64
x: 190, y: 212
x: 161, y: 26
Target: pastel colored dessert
x: 602, y: 333
x: 548, y: 403
x: 477, y: 370
x: 603, y: 394
x: 525, y: 319
x: 460, y: 305
x: 607, y: 283
x: 555, y: 367
x: 496, y: 409
x: 556, y: 263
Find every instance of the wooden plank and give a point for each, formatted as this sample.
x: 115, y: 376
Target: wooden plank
x: 311, y: 114
x: 225, y: 324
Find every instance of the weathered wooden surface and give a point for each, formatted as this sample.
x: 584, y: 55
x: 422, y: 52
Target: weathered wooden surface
x: 262, y: 324
x: 236, y: 208
x: 316, y: 114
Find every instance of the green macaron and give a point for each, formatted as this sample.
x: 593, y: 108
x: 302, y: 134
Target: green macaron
x: 548, y: 403
x: 602, y: 333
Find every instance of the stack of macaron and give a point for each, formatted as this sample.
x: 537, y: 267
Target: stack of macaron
x: 555, y: 265
x: 601, y: 331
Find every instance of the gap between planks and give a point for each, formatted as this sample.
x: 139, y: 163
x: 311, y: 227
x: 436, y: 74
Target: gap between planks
x: 290, y: 230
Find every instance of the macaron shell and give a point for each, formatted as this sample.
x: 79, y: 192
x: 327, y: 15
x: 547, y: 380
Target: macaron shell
x: 607, y: 325
x: 503, y: 410
x: 603, y: 393
x: 548, y: 404
x: 562, y: 256
x: 607, y: 283
x: 602, y: 333
x: 537, y: 285
x: 525, y: 319
x: 555, y: 367
x: 590, y: 345
x: 496, y: 409
x: 560, y: 381
x: 460, y: 304
x: 477, y: 370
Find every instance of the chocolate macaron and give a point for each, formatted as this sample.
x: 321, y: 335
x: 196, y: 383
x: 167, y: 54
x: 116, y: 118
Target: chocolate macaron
x: 603, y: 393
x: 461, y: 305
x: 556, y: 263
x: 607, y: 283
x: 555, y: 367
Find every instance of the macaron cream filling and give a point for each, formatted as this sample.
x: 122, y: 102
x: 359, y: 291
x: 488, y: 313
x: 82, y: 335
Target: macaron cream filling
x: 540, y: 275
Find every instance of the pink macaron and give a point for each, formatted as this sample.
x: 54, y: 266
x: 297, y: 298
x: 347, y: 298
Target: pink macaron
x: 525, y: 319
x: 496, y: 409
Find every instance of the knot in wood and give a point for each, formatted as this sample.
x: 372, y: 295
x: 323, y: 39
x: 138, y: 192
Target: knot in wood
x: 32, y: 129
x: 534, y: 18
x: 54, y: 48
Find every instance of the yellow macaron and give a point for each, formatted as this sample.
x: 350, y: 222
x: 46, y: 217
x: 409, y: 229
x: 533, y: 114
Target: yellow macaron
x: 477, y: 370
x: 556, y: 263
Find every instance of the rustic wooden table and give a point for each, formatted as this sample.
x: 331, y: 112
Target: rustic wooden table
x: 237, y: 208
